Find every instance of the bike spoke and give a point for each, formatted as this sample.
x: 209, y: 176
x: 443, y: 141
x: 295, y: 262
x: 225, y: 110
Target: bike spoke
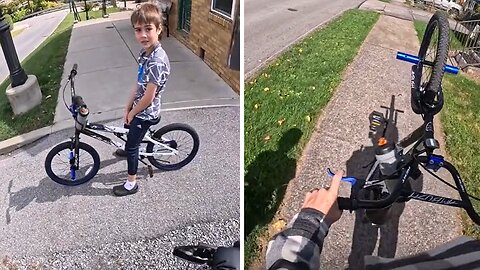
x: 61, y: 164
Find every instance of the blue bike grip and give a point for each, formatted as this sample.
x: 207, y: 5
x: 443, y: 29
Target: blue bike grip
x: 348, y: 179
x: 414, y: 60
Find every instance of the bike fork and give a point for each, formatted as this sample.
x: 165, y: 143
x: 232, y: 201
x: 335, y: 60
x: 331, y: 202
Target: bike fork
x: 72, y: 164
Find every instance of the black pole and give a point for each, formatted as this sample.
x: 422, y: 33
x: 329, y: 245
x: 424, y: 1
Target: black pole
x: 104, y: 8
x: 125, y: 4
x: 17, y: 74
x: 86, y: 10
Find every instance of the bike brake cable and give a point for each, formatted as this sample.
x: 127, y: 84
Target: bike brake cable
x: 63, y: 94
x: 445, y: 182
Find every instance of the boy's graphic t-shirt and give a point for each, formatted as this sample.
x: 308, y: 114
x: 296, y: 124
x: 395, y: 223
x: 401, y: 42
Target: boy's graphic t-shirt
x: 154, y: 68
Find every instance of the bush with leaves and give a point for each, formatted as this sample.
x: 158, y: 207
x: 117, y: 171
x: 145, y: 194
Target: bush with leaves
x: 19, y: 14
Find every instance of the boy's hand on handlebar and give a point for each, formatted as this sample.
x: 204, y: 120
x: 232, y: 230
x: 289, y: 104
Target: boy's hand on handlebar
x: 325, y: 200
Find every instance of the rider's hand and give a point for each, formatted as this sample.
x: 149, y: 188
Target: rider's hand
x: 130, y: 117
x: 125, y: 115
x: 325, y: 200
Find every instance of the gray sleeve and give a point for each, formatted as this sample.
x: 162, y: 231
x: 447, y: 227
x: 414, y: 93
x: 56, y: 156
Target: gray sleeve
x: 460, y: 253
x: 157, y: 73
x: 300, y: 244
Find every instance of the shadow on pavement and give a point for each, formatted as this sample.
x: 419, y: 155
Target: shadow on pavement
x: 267, y: 179
x: 50, y: 191
x: 365, y: 234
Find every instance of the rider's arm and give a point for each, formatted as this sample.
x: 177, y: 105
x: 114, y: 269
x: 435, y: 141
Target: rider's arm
x: 146, y: 100
x: 157, y: 76
x: 300, y: 244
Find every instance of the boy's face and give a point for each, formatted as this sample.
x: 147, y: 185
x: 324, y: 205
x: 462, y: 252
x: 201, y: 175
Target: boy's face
x: 146, y: 34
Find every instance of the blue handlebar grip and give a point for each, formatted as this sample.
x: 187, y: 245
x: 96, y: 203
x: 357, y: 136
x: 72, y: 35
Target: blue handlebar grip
x: 414, y: 60
x: 348, y: 179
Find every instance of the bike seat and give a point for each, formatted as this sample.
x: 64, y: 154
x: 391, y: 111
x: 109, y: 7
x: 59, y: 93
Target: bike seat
x: 155, y: 121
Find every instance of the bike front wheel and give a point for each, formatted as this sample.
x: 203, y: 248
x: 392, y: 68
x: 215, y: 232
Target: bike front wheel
x: 60, y: 164
x: 180, y: 137
x: 433, y: 53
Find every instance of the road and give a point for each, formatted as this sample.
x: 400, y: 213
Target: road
x: 40, y: 27
x: 86, y: 227
x: 273, y: 25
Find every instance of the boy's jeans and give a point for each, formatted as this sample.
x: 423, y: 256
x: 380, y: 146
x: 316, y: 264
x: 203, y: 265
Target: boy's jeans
x: 138, y: 129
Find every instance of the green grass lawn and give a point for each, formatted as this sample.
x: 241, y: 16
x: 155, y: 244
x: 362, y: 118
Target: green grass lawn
x: 460, y: 119
x: 282, y: 105
x: 420, y: 26
x: 46, y: 62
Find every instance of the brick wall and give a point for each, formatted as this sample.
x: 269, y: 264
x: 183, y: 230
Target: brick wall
x: 211, y: 32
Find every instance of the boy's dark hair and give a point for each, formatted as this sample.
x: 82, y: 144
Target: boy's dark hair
x: 148, y: 13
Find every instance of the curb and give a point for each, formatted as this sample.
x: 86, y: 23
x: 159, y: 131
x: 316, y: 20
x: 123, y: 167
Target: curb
x: 9, y: 145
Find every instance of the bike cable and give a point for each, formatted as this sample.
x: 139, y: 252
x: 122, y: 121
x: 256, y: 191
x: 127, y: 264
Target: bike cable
x: 63, y: 95
x: 445, y: 182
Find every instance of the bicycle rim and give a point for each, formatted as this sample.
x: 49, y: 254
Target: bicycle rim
x: 60, y: 170
x: 61, y: 165
x: 179, y: 137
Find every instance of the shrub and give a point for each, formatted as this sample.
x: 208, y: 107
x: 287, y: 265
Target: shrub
x: 19, y: 14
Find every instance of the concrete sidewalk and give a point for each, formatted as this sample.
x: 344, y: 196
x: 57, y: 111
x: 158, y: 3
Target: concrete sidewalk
x: 401, y: 10
x: 106, y: 54
x: 341, y: 142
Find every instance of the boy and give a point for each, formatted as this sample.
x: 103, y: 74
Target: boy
x: 143, y: 107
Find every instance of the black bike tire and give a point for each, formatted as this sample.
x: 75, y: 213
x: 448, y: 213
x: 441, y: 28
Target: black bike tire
x: 69, y: 145
x: 172, y: 127
x: 439, y: 20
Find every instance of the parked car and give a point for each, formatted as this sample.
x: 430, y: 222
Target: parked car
x: 451, y: 6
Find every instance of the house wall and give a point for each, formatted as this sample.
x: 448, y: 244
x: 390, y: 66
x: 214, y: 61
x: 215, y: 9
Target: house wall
x: 209, y: 32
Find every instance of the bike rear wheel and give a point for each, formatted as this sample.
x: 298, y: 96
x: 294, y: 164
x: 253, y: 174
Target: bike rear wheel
x: 181, y: 137
x: 433, y: 53
x: 59, y: 169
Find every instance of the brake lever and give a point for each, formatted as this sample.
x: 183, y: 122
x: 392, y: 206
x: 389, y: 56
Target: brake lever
x: 349, y: 179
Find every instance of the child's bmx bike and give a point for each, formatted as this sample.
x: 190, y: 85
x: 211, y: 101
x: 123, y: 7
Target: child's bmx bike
x: 73, y: 162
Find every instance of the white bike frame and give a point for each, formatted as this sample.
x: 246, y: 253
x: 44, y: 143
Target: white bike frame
x: 119, y: 132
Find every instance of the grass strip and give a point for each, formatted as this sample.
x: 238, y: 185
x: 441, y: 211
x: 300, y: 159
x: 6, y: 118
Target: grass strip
x: 46, y: 63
